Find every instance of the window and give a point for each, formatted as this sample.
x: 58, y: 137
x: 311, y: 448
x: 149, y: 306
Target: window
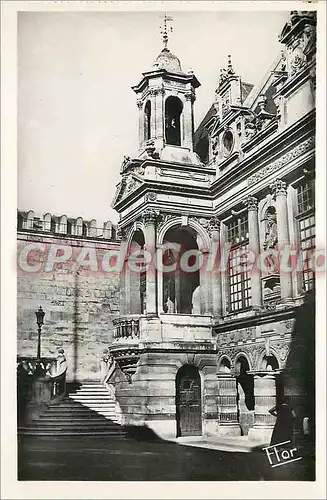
x: 147, y: 121
x: 306, y: 221
x: 239, y: 280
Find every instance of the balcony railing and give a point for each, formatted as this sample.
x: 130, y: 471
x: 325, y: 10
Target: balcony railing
x: 126, y: 328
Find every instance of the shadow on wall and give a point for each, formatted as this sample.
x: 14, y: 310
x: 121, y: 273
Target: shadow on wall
x: 75, y: 326
x: 299, y: 373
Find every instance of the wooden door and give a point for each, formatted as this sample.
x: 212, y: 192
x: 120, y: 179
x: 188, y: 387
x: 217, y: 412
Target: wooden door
x: 188, y: 402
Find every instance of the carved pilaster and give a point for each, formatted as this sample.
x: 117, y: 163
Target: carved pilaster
x: 251, y: 202
x: 278, y: 188
x: 150, y: 216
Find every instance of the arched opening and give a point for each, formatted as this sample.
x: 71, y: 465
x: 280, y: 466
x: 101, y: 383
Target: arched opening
x: 224, y: 366
x: 245, y: 394
x: 173, y: 110
x: 147, y: 121
x: 137, y: 274
x: 181, y: 276
x: 188, y: 401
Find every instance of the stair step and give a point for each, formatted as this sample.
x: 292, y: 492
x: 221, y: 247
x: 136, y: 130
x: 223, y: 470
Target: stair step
x: 63, y: 433
x: 89, y: 410
x: 44, y: 420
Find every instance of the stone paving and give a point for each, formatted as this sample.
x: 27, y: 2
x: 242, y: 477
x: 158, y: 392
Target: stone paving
x: 87, y: 459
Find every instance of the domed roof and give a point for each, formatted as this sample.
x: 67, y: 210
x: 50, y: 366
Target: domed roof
x: 167, y: 60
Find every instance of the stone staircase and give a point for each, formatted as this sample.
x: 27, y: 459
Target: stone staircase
x: 86, y: 411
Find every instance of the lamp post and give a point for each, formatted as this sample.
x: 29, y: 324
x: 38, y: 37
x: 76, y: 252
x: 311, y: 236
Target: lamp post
x: 39, y: 320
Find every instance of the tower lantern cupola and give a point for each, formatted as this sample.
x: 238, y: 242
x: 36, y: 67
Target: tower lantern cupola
x: 165, y: 98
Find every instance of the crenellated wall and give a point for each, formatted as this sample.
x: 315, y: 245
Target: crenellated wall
x: 61, y: 224
x: 70, y: 276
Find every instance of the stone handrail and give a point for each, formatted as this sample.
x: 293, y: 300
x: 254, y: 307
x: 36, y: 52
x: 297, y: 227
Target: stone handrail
x: 39, y: 382
x: 126, y: 327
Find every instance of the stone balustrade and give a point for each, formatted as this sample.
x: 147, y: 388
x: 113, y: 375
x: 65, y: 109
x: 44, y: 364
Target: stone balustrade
x: 126, y: 328
x: 39, y: 382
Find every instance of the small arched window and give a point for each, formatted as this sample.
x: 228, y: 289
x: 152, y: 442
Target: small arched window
x: 147, y: 121
x: 173, y: 110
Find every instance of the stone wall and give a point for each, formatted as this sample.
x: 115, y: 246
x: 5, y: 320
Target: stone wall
x: 80, y: 302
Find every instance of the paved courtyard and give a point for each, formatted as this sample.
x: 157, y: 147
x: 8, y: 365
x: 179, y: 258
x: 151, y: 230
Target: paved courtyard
x: 86, y: 459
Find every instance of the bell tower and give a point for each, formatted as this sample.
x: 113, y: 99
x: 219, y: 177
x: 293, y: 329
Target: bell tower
x: 165, y: 99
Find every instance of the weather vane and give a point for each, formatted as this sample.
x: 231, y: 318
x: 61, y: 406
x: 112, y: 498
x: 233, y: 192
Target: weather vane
x: 164, y: 31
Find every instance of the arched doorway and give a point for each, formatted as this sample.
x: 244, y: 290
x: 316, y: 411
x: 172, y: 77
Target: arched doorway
x: 188, y: 401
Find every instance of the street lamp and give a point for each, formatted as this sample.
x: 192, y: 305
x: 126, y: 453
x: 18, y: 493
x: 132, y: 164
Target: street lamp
x: 39, y: 320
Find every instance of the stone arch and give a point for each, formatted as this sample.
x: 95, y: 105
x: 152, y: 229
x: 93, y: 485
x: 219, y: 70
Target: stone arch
x: 203, y: 240
x: 173, y: 114
x: 242, y: 354
x: 224, y: 364
x: 269, y: 362
x: 245, y: 387
x: 135, y: 276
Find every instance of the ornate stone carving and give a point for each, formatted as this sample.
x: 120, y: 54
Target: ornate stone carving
x: 162, y: 219
x: 151, y: 196
x: 278, y: 188
x: 215, y: 146
x: 189, y: 96
x: 154, y: 91
x: 228, y: 73
x: 225, y: 105
x: 139, y: 103
x: 150, y: 149
x: 282, y: 349
x: 255, y: 353
x: 150, y: 216
x: 121, y: 234
x: 251, y: 202
x: 214, y: 225
x: 286, y: 158
x: 126, y: 162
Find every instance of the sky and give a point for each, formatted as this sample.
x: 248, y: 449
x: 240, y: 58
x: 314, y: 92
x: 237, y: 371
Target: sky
x: 77, y: 113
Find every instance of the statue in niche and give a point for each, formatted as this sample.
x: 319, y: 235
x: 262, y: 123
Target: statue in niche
x: 272, y: 281
x: 271, y: 236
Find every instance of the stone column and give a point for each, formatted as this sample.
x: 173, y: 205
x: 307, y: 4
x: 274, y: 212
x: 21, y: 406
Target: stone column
x: 141, y: 122
x: 124, y: 284
x: 280, y: 193
x: 227, y: 406
x: 216, y: 268
x: 254, y: 246
x: 187, y: 139
x: 153, y: 122
x: 265, y: 398
x: 149, y: 219
x: 159, y: 117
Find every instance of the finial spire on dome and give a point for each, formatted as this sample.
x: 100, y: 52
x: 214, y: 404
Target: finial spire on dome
x: 164, y: 30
